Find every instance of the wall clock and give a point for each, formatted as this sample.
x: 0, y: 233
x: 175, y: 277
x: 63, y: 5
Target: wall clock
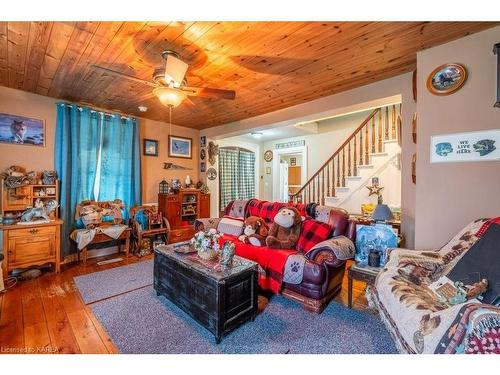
x: 268, y: 156
x: 446, y: 79
x: 203, y: 153
x: 211, y: 174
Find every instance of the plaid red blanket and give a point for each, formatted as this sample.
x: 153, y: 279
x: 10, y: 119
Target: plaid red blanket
x: 271, y: 261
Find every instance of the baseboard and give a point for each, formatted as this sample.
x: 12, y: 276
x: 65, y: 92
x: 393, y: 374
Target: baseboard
x: 94, y: 253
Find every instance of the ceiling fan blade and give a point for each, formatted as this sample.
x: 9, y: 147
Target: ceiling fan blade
x: 126, y: 76
x: 206, y: 92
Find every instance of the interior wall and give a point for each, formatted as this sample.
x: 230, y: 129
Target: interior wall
x: 450, y: 195
x: 41, y: 158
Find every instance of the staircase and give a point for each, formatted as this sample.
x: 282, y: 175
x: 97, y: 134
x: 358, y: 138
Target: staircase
x: 373, y: 144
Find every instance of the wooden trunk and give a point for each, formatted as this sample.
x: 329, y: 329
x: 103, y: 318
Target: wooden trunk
x: 218, y: 304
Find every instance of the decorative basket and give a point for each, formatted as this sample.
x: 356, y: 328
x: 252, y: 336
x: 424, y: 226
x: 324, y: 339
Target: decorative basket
x: 206, y: 244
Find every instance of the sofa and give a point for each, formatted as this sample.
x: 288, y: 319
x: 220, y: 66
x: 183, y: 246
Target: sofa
x: 323, y: 265
x: 420, y: 321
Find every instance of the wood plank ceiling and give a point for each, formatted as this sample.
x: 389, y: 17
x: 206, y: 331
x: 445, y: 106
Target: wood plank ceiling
x: 270, y: 65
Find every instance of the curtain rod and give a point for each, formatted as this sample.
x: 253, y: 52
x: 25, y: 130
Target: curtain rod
x: 79, y: 107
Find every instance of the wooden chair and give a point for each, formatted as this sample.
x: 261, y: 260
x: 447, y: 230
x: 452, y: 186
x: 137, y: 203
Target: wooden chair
x: 157, y: 225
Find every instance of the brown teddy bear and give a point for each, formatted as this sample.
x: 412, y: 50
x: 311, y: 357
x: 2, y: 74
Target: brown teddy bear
x: 285, y: 230
x: 255, y: 231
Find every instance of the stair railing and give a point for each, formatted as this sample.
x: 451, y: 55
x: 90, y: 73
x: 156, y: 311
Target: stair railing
x: 382, y: 124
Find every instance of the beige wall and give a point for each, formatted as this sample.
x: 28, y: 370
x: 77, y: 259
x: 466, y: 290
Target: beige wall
x: 450, y: 195
x: 40, y: 158
x: 25, y: 104
x: 152, y: 167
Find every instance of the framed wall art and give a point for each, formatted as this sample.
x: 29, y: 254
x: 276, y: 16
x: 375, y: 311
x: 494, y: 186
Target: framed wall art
x: 471, y: 146
x: 203, y: 141
x: 203, y: 167
x: 268, y: 156
x: 446, y: 79
x: 179, y: 147
x: 150, y: 147
x: 21, y: 130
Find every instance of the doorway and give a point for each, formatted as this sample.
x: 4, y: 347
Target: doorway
x: 290, y: 166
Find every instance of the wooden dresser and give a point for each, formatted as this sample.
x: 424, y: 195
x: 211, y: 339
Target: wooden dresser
x: 181, y: 210
x: 31, y: 245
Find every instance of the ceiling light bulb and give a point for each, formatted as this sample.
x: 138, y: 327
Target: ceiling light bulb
x: 169, y: 96
x: 256, y: 134
x: 142, y: 108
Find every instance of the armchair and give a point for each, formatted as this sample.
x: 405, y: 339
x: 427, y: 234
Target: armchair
x: 417, y: 319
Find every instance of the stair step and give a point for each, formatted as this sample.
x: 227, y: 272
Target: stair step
x: 366, y: 166
x: 342, y: 189
x: 335, y: 199
x: 353, y: 178
x: 390, y: 141
x: 379, y: 154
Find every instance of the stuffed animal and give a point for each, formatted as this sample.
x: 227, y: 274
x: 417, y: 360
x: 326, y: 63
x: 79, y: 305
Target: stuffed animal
x: 285, y: 230
x: 255, y: 231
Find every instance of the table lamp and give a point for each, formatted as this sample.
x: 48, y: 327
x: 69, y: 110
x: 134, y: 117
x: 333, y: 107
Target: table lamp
x: 382, y: 213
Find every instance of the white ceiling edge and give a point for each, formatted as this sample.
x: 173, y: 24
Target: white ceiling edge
x: 374, y: 95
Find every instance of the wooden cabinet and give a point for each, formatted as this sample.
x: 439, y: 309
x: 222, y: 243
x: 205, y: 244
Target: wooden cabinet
x: 31, y: 245
x: 181, y: 210
x: 15, y: 200
x: 204, y: 205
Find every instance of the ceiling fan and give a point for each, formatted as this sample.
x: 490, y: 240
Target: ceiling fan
x: 169, y: 82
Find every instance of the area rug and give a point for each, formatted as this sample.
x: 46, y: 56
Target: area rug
x: 141, y: 322
x: 105, y: 284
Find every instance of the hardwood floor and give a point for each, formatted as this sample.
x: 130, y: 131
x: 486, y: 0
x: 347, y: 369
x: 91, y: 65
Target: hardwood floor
x: 47, y: 314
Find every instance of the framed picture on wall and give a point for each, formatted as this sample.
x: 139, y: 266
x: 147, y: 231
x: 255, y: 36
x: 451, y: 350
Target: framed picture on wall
x: 293, y: 162
x: 179, y: 147
x: 21, y: 130
x: 203, y: 167
x: 150, y: 147
x: 203, y: 141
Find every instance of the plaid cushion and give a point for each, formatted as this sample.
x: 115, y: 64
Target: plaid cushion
x: 269, y: 210
x: 486, y: 225
x: 312, y: 233
x: 253, y: 207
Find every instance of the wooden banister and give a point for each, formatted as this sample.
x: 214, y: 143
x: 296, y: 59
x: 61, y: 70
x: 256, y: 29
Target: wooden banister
x: 336, y: 154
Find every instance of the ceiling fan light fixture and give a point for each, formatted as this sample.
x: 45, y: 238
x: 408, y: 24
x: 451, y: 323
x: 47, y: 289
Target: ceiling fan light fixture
x: 175, y: 68
x: 169, y: 97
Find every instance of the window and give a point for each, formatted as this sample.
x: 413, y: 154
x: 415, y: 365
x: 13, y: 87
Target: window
x: 236, y: 174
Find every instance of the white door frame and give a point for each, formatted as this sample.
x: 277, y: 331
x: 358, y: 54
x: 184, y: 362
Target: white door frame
x: 276, y: 166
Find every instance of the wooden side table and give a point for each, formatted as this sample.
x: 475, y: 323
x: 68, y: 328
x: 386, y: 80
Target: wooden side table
x: 102, y: 238
x: 366, y: 274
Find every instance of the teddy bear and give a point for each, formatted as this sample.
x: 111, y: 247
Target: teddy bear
x: 254, y: 232
x: 285, y: 229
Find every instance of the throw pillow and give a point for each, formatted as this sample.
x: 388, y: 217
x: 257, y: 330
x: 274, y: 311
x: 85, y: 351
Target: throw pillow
x: 231, y: 226
x: 312, y: 233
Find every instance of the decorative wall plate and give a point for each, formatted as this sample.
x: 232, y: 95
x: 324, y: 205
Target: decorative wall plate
x: 268, y: 156
x: 211, y: 174
x: 446, y: 79
x: 203, y: 153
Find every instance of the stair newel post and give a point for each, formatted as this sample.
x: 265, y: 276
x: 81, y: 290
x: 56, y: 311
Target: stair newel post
x: 393, y: 123
x: 386, y: 123
x: 373, y: 134
x: 333, y: 177
x: 338, y: 170
x: 349, y: 159
x: 355, y: 165
x: 367, y: 160
x: 380, y: 125
x: 343, y: 166
x: 361, y: 147
x: 328, y: 179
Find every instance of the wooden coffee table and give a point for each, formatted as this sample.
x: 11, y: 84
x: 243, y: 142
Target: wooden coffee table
x: 219, y: 299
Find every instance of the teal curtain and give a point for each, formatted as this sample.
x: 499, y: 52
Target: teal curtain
x: 96, y: 157
x: 120, y: 167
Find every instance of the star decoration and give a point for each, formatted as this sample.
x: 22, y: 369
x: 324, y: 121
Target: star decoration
x: 375, y: 189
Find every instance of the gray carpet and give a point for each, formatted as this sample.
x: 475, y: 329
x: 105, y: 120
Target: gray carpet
x: 108, y: 283
x: 141, y: 322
